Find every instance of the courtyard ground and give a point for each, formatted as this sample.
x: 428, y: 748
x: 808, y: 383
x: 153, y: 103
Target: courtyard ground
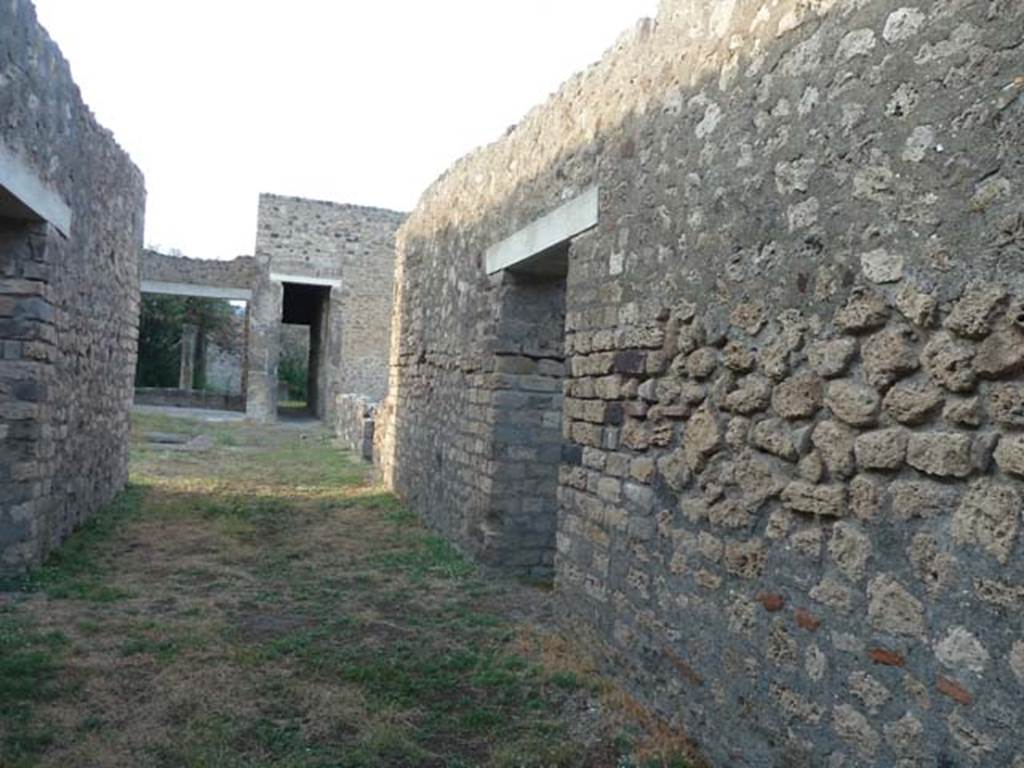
x: 253, y: 600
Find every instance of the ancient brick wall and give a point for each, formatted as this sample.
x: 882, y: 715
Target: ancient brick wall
x: 350, y: 246
x: 68, y: 304
x: 790, y: 494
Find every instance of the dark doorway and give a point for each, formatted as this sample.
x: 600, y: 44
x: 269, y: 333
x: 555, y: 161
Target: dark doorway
x: 306, y: 305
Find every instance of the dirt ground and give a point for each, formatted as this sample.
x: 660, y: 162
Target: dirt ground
x: 252, y: 599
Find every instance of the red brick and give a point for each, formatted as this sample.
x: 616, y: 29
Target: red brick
x: 772, y: 602
x: 807, y: 620
x: 886, y: 658
x: 955, y: 691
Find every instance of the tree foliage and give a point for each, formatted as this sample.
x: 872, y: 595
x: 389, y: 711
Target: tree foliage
x: 161, y: 320
x: 293, y: 368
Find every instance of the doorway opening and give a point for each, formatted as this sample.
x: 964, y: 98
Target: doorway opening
x: 304, y: 318
x: 191, y: 352
x: 518, y: 529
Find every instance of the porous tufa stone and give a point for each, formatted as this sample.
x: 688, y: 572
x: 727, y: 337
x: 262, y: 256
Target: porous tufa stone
x: 855, y: 729
x: 919, y: 308
x: 1009, y: 454
x: 883, y: 449
x: 890, y: 355
x: 950, y: 362
x: 865, y: 311
x: 880, y: 266
x: 821, y: 500
x: 832, y: 357
x: 960, y: 650
x: 892, y: 609
x: 988, y: 517
x: 799, y: 397
x: 835, y: 442
x: 973, y: 315
x: 942, y: 454
x: 853, y: 403
x: 1001, y: 354
x: 913, y: 404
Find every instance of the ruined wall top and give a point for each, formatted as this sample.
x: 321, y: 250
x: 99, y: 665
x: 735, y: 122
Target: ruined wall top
x: 690, y: 42
x: 240, y: 272
x: 792, y: 61
x: 313, y: 238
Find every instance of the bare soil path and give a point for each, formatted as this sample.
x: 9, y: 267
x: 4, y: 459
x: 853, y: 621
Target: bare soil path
x: 252, y: 600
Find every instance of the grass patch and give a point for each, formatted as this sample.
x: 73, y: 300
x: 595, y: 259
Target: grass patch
x: 30, y: 667
x: 423, y: 556
x: 79, y: 568
x: 262, y: 604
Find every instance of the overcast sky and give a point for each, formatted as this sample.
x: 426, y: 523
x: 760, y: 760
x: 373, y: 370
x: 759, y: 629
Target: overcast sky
x: 360, y: 102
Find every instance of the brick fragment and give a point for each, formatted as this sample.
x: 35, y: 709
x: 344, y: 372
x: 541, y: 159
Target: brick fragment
x: 886, y: 658
x: 807, y: 620
x: 955, y: 691
x: 772, y: 602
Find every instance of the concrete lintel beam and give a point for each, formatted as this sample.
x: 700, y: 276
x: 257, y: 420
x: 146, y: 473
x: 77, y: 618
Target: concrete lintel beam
x: 198, y: 291
x: 559, y: 226
x: 326, y: 282
x: 23, y: 195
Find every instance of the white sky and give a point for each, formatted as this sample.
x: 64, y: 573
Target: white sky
x: 360, y: 102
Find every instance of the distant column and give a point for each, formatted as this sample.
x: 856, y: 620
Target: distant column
x: 189, y: 341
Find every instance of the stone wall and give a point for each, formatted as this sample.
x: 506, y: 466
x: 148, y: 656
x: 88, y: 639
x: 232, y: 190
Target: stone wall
x: 240, y: 272
x: 189, y: 398
x: 351, y: 250
x: 345, y: 250
x: 224, y: 351
x: 68, y: 303
x: 790, y: 491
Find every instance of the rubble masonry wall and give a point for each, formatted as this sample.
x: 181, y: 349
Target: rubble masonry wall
x: 791, y: 490
x: 68, y: 305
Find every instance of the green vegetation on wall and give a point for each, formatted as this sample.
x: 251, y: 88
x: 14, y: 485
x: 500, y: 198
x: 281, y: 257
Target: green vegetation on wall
x: 161, y: 319
x: 293, y: 367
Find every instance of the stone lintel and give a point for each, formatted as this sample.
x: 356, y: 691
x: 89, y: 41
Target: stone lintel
x: 23, y: 195
x: 544, y: 234
x: 279, y: 277
x: 199, y: 291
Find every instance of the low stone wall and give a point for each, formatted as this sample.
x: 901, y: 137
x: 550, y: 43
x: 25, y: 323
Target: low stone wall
x: 189, y: 398
x: 792, y: 474
x: 354, y: 424
x: 224, y: 369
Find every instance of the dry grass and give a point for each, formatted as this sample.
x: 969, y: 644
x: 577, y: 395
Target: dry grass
x: 261, y: 604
